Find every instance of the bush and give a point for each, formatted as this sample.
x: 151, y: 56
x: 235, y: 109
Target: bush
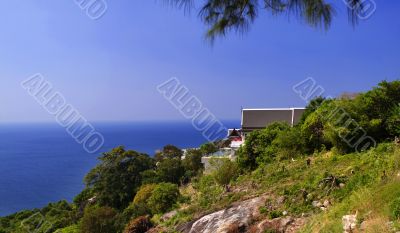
x: 115, y: 180
x: 131, y: 212
x: 210, y: 192
x: 170, y: 170
x: 192, y: 163
x: 224, y: 170
x: 208, y: 148
x: 149, y: 177
x: 395, y: 208
x: 258, y: 144
x: 98, y: 220
x: 144, y: 193
x: 169, y: 152
x: 163, y: 198
x: 289, y: 144
x: 138, y: 225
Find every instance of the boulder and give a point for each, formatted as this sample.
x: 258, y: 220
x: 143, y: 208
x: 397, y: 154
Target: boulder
x: 327, y: 203
x: 168, y: 216
x: 349, y: 223
x: 316, y: 204
x: 276, y: 225
x: 235, y: 218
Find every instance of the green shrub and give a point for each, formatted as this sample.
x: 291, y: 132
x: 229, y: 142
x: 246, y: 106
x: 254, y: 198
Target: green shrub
x: 274, y: 214
x: 139, y: 225
x: 224, y: 170
x: 131, y: 212
x: 192, y: 163
x: 144, y: 193
x: 163, y: 198
x: 98, y: 220
x: 208, y: 148
x: 115, y: 180
x: 257, y: 144
x: 210, y: 192
x: 170, y: 170
x: 395, y: 208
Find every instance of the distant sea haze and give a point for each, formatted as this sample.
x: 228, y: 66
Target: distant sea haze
x: 41, y: 163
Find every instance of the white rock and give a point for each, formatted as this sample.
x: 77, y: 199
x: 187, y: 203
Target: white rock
x: 316, y: 204
x: 349, y: 223
x: 284, y: 213
x: 327, y: 203
x: 241, y: 214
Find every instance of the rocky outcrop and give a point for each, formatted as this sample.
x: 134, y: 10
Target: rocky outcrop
x: 279, y: 225
x: 234, y: 219
x: 242, y: 217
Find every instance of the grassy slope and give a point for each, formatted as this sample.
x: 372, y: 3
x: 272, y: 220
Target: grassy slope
x: 366, y: 190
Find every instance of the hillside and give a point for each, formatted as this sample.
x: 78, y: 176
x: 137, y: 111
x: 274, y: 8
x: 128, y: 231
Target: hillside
x: 337, y: 169
x: 314, y: 197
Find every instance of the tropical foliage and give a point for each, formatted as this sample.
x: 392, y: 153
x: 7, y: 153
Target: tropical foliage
x: 222, y: 16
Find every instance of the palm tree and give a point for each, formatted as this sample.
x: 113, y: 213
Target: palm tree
x: 222, y: 16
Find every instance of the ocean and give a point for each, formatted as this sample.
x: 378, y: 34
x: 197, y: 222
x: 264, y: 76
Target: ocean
x: 42, y: 163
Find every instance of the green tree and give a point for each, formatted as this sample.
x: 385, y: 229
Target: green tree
x: 144, y: 193
x: 289, y: 144
x: 208, y: 148
x: 210, y: 191
x: 224, y: 171
x: 224, y: 16
x: 170, y: 170
x: 169, y: 152
x: 192, y: 163
x: 116, y: 179
x: 312, y: 107
x: 380, y: 106
x: 163, y: 198
x: 98, y: 220
x: 149, y: 177
x: 257, y: 146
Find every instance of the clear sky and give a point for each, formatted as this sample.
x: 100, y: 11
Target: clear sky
x: 109, y: 68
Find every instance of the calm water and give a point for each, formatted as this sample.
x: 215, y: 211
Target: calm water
x: 41, y: 163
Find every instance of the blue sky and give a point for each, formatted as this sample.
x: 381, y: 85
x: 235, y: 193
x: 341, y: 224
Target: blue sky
x: 109, y: 68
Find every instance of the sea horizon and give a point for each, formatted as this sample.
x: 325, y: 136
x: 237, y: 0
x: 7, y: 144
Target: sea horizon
x: 42, y: 163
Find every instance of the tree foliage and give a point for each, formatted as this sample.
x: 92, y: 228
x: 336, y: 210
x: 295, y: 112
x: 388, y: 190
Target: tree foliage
x: 170, y: 170
x: 192, y: 163
x: 257, y: 147
x: 169, y: 152
x: 208, y: 148
x: 224, y: 170
x: 118, y: 176
x: 222, y: 16
x: 163, y: 198
x: 144, y: 193
x: 98, y: 220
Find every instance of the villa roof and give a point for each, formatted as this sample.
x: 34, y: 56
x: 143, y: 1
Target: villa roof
x: 258, y: 118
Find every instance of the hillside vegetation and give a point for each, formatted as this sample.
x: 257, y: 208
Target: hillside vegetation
x: 341, y: 159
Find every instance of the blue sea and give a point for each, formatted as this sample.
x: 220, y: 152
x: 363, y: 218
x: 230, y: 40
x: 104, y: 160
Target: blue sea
x: 41, y: 163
